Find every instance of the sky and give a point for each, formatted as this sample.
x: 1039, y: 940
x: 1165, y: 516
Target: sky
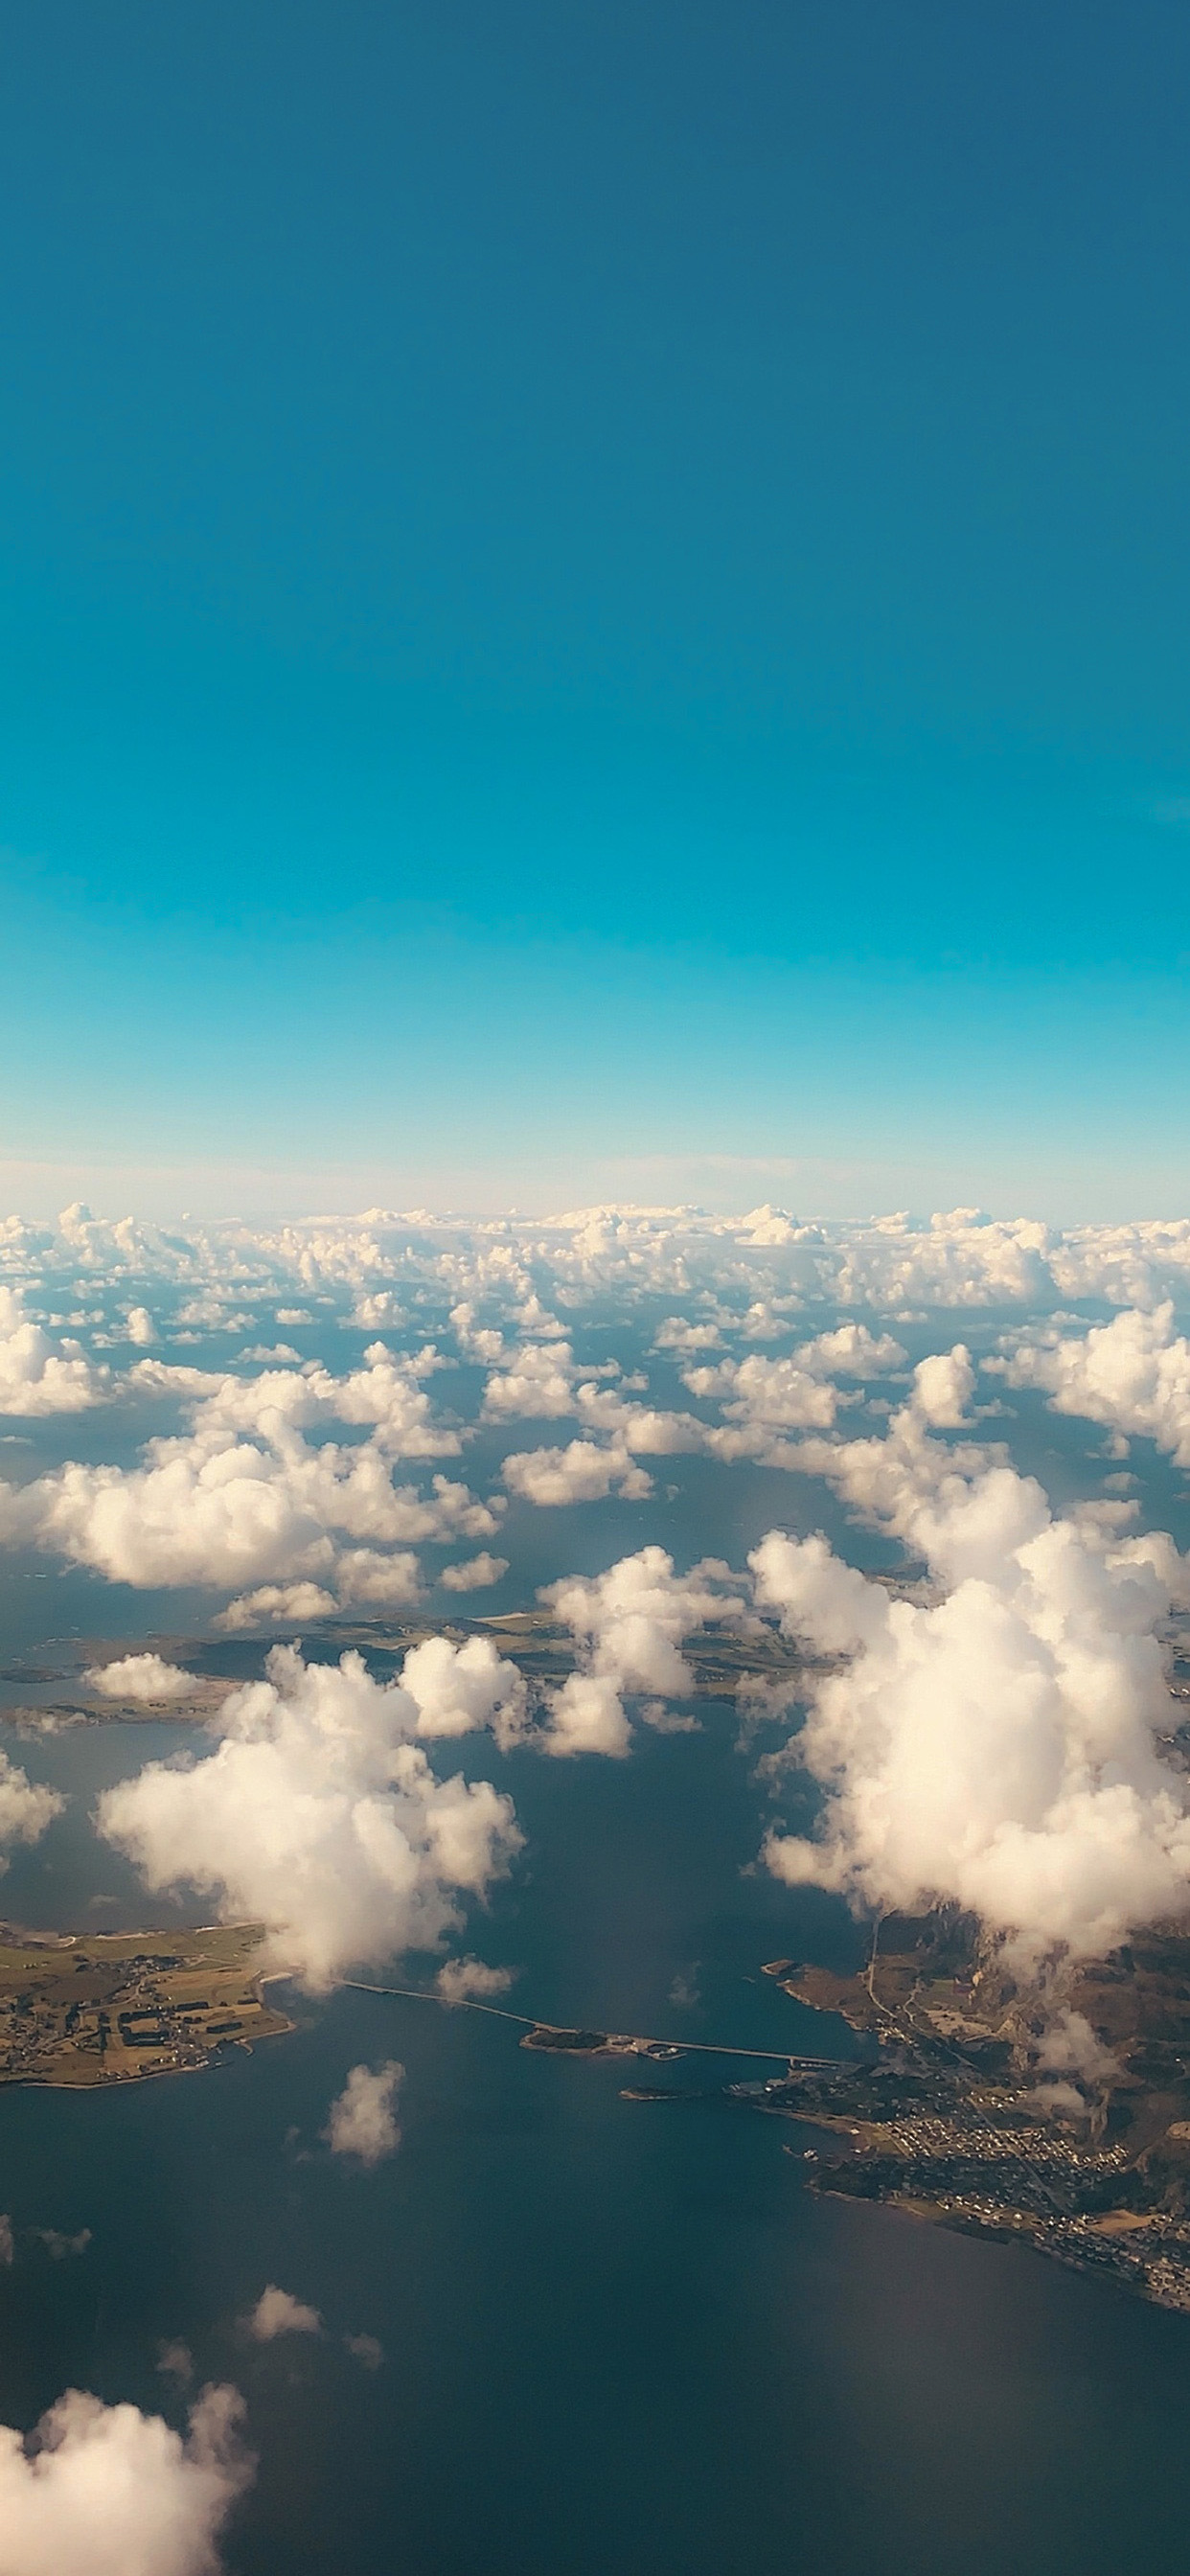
x: 594, y: 605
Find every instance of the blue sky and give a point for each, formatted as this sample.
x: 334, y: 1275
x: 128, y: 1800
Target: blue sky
x: 595, y: 603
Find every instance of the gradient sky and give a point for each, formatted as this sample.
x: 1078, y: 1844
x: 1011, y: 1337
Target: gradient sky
x: 595, y: 603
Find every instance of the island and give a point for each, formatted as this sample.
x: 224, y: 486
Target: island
x: 102, y: 2008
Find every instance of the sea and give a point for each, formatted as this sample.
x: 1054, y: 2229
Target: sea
x: 616, y: 2338
x: 615, y: 2335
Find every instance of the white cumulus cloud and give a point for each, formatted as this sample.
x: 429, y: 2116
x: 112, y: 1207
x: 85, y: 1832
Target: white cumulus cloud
x: 140, y: 1677
x: 277, y: 2312
x: 581, y: 1473
x: 318, y: 1816
x: 1133, y: 1375
x: 107, y: 2491
x: 1000, y: 1743
x: 40, y: 1374
x: 26, y: 1807
x: 362, y: 2120
x: 474, y: 1573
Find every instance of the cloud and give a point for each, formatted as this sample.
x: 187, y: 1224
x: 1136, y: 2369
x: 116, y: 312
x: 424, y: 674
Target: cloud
x: 470, y: 1980
x: 458, y: 1688
x: 7, y: 2243
x: 632, y: 1619
x: 851, y: 1351
x: 365, y: 2348
x: 277, y: 2312
x: 176, y: 2361
x: 1002, y: 1743
x: 1133, y: 1375
x: 629, y: 1624
x: 243, y: 1499
x: 277, y: 1605
x: 362, y: 2122
x: 474, y: 1573
x: 1069, y: 2046
x: 580, y: 1473
x: 761, y: 1398
x: 319, y: 1816
x: 107, y: 2491
x: 140, y: 1677
x: 40, y: 1375
x: 369, y: 1580
x: 60, y: 2247
x: 140, y: 1327
x: 26, y: 1807
x: 943, y: 1386
x: 586, y: 1715
x: 538, y: 1383
x: 675, y: 1334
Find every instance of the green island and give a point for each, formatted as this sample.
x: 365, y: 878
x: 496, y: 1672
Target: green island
x: 950, y: 2119
x: 102, y: 2008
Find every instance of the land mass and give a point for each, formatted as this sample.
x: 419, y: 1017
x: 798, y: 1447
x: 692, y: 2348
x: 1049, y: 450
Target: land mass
x: 109, y: 2007
x: 52, y: 1689
x: 954, y: 2118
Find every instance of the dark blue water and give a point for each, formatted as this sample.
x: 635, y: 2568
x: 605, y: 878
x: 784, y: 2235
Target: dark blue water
x: 616, y: 2336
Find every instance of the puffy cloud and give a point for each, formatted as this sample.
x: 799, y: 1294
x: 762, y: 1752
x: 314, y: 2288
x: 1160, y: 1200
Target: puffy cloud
x: 39, y: 1375
x: 1000, y: 1744
x: 583, y: 1472
x: 26, y: 1807
x: 851, y: 1351
x: 960, y: 1259
x: 107, y: 2491
x: 675, y: 1334
x: 140, y: 1677
x: 948, y: 1502
x: 364, y: 2348
x: 943, y: 1386
x: 244, y: 1501
x: 458, y: 1688
x: 476, y: 1341
x: 763, y: 1398
x: 1132, y: 1375
x: 277, y: 2312
x: 140, y: 1327
x: 370, y: 1580
x: 7, y: 2244
x: 644, y: 1429
x: 538, y: 1383
x: 629, y: 1624
x: 380, y: 1312
x: 587, y: 1716
x: 469, y: 1980
x: 276, y: 1605
x: 362, y: 2122
x: 474, y: 1573
x: 633, y: 1618
x: 318, y: 1816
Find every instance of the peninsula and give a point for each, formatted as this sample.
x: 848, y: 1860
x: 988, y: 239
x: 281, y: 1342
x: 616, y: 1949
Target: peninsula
x: 109, y: 2007
x: 956, y: 2115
